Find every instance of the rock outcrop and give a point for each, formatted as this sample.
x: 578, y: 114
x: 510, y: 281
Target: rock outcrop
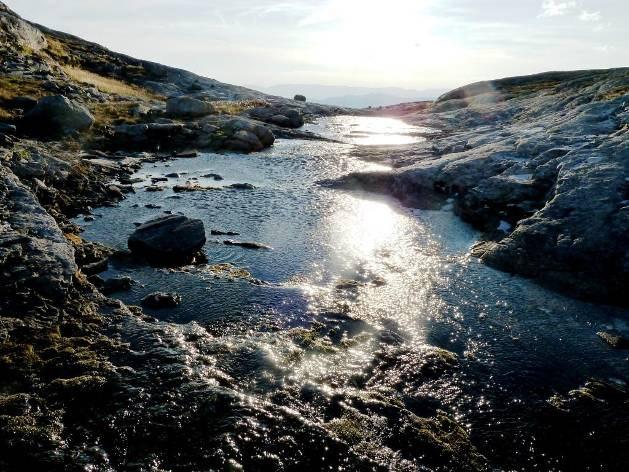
x: 280, y: 116
x: 188, y: 107
x: 236, y: 134
x: 34, y: 254
x: 56, y: 115
x: 540, y: 164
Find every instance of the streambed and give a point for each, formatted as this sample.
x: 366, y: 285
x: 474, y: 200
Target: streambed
x: 354, y: 278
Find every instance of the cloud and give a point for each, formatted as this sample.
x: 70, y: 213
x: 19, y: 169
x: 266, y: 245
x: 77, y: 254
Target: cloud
x: 590, y: 16
x: 556, y: 8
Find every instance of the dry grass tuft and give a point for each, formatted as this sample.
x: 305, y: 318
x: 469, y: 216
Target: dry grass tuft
x: 11, y: 87
x: 108, y: 85
x: 237, y: 107
x: 109, y: 113
x: 56, y: 48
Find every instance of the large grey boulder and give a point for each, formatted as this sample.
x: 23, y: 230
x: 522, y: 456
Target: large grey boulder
x: 279, y: 116
x: 245, y: 136
x: 189, y: 107
x: 57, y: 115
x: 168, y: 238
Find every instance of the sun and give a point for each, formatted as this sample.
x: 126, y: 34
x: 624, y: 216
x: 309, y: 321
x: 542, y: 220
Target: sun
x: 374, y: 36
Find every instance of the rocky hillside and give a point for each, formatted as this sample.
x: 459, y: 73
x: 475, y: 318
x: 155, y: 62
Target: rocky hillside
x: 539, y: 163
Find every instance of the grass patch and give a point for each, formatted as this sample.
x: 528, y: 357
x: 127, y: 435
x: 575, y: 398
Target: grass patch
x: 236, y: 107
x: 107, y: 84
x: 12, y: 87
x: 56, y: 49
x: 110, y: 113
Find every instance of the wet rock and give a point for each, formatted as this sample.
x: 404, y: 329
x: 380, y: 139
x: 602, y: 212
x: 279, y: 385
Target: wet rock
x: 216, y: 232
x: 154, y: 188
x: 115, y: 192
x: 244, y: 186
x: 172, y: 175
x: 349, y: 285
x: 57, y: 115
x: 168, y: 238
x: 34, y: 253
x: 118, y: 284
x: 212, y: 176
x: 95, y: 267
x: 7, y: 129
x: 159, y: 179
x: 614, y: 339
x: 246, y: 245
x: 159, y: 300
x: 598, y: 407
x: 187, y: 154
x: 193, y: 187
x: 152, y: 206
x: 188, y: 107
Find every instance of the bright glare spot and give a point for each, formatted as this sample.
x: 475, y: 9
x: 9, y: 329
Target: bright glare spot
x: 361, y: 227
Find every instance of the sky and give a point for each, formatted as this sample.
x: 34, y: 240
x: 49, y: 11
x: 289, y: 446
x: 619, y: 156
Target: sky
x: 414, y: 44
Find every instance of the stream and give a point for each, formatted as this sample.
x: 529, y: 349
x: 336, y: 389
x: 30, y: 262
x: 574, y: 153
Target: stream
x: 353, y: 278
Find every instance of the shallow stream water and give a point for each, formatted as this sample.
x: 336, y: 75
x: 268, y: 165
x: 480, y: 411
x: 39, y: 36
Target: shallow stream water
x: 368, y: 270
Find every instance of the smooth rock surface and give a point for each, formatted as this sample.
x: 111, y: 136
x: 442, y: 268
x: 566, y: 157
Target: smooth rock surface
x: 168, y: 237
x: 57, y: 115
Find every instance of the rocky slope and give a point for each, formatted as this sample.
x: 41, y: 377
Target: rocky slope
x: 539, y: 163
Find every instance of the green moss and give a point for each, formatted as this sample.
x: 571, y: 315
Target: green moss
x: 347, y: 429
x: 311, y: 340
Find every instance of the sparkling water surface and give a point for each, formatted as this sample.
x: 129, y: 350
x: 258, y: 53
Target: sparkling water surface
x: 366, y: 262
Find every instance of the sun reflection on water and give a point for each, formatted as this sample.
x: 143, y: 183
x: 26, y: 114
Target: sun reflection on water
x: 361, y: 227
x: 371, y: 131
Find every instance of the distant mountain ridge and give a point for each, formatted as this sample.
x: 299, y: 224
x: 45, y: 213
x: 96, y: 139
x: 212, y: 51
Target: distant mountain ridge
x: 355, y: 97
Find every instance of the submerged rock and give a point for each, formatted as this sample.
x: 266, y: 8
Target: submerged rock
x: 168, y: 238
x: 246, y: 244
x: 216, y: 232
x: 193, y: 187
x: 212, y: 176
x: 117, y: 284
x: 244, y: 186
x: 161, y: 300
x: 614, y: 339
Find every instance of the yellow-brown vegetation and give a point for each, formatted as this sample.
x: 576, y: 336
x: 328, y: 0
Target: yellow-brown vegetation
x: 108, y: 84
